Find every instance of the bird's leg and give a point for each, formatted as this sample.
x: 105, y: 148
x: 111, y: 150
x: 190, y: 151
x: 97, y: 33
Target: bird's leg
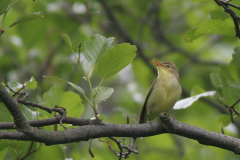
x: 163, y: 116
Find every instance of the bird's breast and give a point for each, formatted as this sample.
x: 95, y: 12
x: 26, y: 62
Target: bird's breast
x: 165, y: 94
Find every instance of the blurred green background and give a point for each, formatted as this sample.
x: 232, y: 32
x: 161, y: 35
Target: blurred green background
x: 157, y: 27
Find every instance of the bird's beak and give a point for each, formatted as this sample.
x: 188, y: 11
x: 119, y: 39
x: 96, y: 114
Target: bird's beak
x: 157, y: 63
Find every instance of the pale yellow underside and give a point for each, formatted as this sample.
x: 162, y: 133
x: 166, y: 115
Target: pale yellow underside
x: 165, y: 94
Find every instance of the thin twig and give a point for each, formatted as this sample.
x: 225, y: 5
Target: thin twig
x: 15, y: 92
x: 33, y: 104
x: 119, y: 146
x: 235, y: 103
x: 29, y: 151
x: 90, y: 150
x: 62, y: 112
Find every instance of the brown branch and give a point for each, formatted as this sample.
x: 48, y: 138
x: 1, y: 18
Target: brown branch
x: 119, y: 146
x: 29, y: 151
x: 232, y: 5
x: 100, y: 129
x: 12, y: 105
x: 57, y: 109
x: 29, y: 103
x: 167, y: 125
x: 232, y: 106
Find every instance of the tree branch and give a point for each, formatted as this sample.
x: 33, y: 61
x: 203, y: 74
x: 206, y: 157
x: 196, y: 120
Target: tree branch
x: 12, y: 105
x: 167, y: 125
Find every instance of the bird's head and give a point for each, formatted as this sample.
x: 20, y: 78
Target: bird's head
x: 166, y: 68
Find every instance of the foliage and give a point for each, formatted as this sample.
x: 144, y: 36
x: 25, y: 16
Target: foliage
x: 83, y: 69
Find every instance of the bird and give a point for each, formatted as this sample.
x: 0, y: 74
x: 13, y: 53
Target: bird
x: 163, y: 93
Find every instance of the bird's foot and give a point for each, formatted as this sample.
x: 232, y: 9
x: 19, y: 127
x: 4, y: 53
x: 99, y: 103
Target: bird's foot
x: 164, y: 116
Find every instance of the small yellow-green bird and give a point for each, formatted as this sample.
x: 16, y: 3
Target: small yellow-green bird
x: 163, y: 93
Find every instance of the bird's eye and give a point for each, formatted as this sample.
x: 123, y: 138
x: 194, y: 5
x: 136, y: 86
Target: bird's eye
x: 168, y: 66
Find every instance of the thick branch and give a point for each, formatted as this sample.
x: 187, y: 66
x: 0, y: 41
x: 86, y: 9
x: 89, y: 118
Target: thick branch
x: 12, y: 105
x: 88, y: 132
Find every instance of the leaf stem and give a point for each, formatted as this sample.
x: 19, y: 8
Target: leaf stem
x: 90, y: 73
x: 98, y: 87
x: 94, y: 106
x: 88, y: 100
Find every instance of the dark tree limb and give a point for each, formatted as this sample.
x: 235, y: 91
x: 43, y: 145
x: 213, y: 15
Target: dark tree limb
x: 168, y: 125
x: 12, y: 105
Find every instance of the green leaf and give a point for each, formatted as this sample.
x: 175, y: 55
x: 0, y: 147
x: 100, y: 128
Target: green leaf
x: 52, y: 97
x: 3, y: 153
x: 220, y: 87
x: 32, y: 84
x: 213, y: 26
x: 102, y: 94
x: 224, y: 119
x: 102, y: 117
x: 79, y: 89
x: 73, y: 104
x: 196, y: 90
x: 215, y: 79
x: 14, y: 85
x: 69, y: 100
x: 219, y: 15
x: 96, y: 46
x: 234, y: 90
x: 228, y: 23
x: 67, y: 40
x: 223, y: 87
x: 236, y: 58
x: 107, y: 45
x: 5, y: 115
x: 53, y: 152
x: 26, y: 17
x: 115, y: 59
x: 217, y: 83
x: 209, y: 27
x: 4, y: 143
x: 230, y: 72
x: 190, y: 35
x: 3, y: 6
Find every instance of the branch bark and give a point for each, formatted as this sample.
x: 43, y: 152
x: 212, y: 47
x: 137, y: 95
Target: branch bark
x: 103, y: 129
x: 12, y: 105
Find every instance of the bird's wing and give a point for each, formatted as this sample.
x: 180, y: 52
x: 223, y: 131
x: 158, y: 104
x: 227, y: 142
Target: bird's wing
x: 144, y: 108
